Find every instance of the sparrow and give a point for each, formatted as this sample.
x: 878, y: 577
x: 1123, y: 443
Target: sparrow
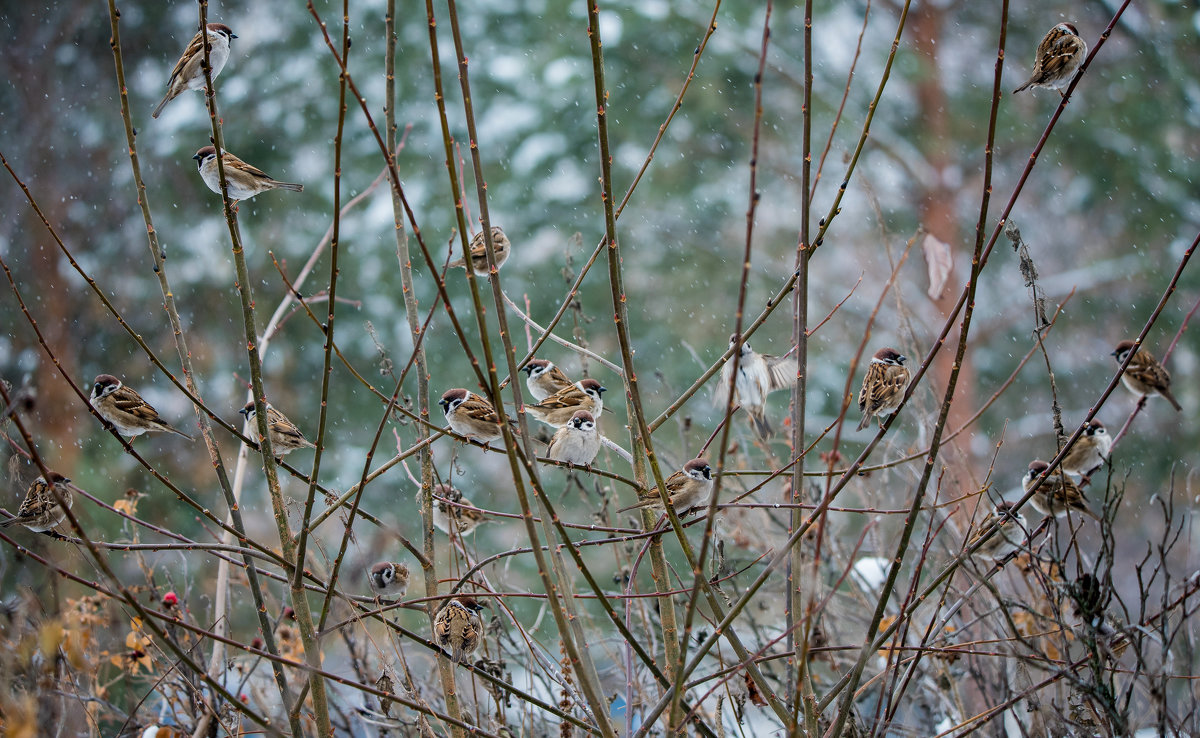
x: 188, y: 73
x: 1145, y: 376
x: 125, y: 409
x: 285, y: 436
x: 471, y: 416
x: 453, y: 513
x: 1090, y: 450
x: 479, y: 264
x: 457, y: 625
x: 544, y: 379
x: 1058, y: 56
x: 1007, y: 538
x: 883, y: 386
x: 558, y: 409
x: 1057, y: 495
x: 244, y: 180
x: 577, y: 442
x: 758, y: 376
x: 389, y: 578
x: 687, y: 488
x: 40, y: 511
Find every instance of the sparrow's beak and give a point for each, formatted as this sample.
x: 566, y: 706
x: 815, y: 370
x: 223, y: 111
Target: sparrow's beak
x: 528, y: 369
x: 233, y: 35
x: 244, y: 411
x: 195, y: 157
x: 445, y: 404
x: 602, y: 390
x: 1114, y: 353
x: 903, y: 359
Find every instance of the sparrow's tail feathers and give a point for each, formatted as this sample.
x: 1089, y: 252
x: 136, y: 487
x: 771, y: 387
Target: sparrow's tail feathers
x: 762, y: 426
x: 289, y: 186
x: 10, y: 522
x: 178, y: 432
x: 866, y: 418
x: 1171, y: 399
x: 166, y: 99
x: 1023, y: 87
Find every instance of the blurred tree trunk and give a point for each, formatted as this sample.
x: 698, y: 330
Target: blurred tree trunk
x: 937, y: 211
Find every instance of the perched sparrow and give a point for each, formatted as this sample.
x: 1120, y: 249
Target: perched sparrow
x: 126, y: 410
x: 883, y: 386
x: 1058, y: 56
x: 758, y: 376
x: 244, y: 180
x: 577, y: 442
x: 1058, y: 495
x: 501, y: 248
x: 544, y: 379
x: 1145, y: 376
x: 452, y: 513
x: 40, y: 511
x: 285, y: 436
x: 458, y: 626
x: 558, y: 409
x: 687, y: 488
x: 389, y: 578
x: 471, y: 416
x: 188, y: 73
x: 1007, y: 538
x: 1090, y: 450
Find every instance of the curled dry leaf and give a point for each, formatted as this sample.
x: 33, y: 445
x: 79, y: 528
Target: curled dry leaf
x: 939, y: 260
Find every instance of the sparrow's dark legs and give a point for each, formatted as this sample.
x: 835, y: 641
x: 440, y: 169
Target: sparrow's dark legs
x: 55, y: 535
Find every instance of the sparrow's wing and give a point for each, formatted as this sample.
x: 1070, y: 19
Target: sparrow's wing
x: 895, y: 379
x: 870, y: 387
x: 479, y: 409
x: 128, y: 401
x: 781, y: 371
x: 560, y: 436
x: 1147, y: 370
x: 559, y: 378
x: 242, y: 166
x: 1061, y: 52
x: 565, y: 397
x: 281, y: 426
x: 191, y: 52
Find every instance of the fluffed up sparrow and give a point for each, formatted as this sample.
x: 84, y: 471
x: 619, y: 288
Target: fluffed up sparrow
x: 1145, y: 376
x: 389, y: 578
x: 544, y: 379
x: 454, y: 514
x: 560, y: 407
x: 457, y: 626
x: 1057, y: 495
x: 40, y: 511
x: 244, y: 180
x: 883, y: 386
x: 687, y: 488
x: 471, y: 416
x: 1058, y: 56
x: 126, y: 410
x: 285, y: 436
x: 1008, y: 537
x: 501, y: 248
x: 188, y: 73
x: 758, y: 376
x: 1090, y: 450
x: 577, y: 442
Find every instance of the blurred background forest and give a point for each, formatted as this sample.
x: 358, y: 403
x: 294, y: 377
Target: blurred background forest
x: 1108, y: 213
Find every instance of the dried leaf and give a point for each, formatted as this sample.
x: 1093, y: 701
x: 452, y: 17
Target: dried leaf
x: 756, y: 697
x: 939, y: 260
